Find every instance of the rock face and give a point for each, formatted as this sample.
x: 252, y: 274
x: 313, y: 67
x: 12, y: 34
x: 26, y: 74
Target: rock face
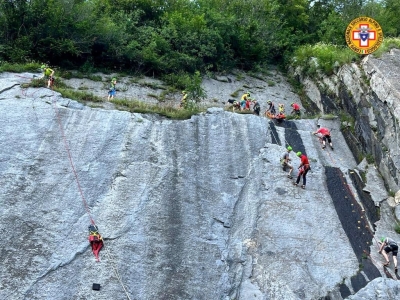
x: 194, y: 209
x: 370, y: 93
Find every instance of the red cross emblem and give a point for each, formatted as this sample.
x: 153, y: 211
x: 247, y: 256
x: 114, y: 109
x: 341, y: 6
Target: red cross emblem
x: 364, y: 34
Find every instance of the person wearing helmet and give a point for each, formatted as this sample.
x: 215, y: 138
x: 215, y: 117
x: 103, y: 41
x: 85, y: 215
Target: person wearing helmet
x: 48, y: 74
x: 183, y: 99
x: 296, y: 109
x: 271, y: 109
x: 304, y: 167
x: 285, y: 161
x: 256, y: 107
x: 388, y: 245
x: 325, y: 134
x: 112, y: 91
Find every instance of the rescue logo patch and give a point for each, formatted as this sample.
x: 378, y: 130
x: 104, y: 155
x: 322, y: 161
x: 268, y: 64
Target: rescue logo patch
x: 364, y: 35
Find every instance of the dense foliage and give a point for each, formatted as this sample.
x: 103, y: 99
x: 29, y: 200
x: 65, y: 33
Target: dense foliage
x: 172, y: 36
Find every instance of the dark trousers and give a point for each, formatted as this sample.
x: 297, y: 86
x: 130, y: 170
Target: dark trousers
x: 303, y: 172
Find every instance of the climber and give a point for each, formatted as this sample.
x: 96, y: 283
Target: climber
x: 304, y: 167
x: 326, y: 135
x: 388, y: 245
x: 95, y: 240
x: 296, y: 109
x: 270, y: 112
x: 285, y: 162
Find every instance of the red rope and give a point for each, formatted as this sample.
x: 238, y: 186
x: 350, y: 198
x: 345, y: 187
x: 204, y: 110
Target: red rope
x: 72, y: 163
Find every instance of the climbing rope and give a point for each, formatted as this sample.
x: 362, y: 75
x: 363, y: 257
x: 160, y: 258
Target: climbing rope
x: 71, y: 162
x: 82, y: 195
x: 117, y: 273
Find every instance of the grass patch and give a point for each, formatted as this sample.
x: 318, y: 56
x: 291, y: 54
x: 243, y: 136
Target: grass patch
x: 329, y: 117
x: 239, y: 77
x: 346, y: 122
x: 78, y: 96
x: 370, y: 158
x: 95, y: 77
x: 256, y: 76
x: 236, y: 93
x: 66, y: 74
x: 397, y: 228
x: 388, y: 43
x: 271, y: 83
x: 19, y: 68
x: 153, y: 86
x: 42, y: 82
x: 153, y: 96
x: 169, y: 112
x: 322, y: 57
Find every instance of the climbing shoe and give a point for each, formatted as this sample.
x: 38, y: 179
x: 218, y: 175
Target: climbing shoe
x: 290, y: 176
x: 395, y: 270
x: 303, y: 187
x: 323, y: 147
x: 332, y: 147
x: 294, y: 183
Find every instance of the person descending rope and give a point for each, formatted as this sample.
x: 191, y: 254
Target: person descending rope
x: 270, y: 112
x: 388, y: 245
x: 95, y: 240
x: 296, y: 109
x: 48, y: 74
x: 285, y: 162
x: 304, y: 167
x: 112, y: 91
x: 326, y: 135
x: 256, y: 107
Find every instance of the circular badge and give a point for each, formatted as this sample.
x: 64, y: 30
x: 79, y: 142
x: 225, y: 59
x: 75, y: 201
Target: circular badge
x: 364, y: 35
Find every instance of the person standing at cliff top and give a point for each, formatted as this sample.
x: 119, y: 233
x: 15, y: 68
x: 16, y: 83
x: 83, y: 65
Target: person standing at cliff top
x: 304, y: 167
x: 48, y: 74
x: 388, y: 245
x: 112, y: 90
x: 326, y: 136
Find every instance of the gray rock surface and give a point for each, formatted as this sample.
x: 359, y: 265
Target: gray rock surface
x: 370, y: 93
x: 194, y: 209
x: 379, y: 289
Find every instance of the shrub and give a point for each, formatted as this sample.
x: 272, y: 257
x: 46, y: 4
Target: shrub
x: 19, y: 68
x: 388, y: 43
x: 322, y: 57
